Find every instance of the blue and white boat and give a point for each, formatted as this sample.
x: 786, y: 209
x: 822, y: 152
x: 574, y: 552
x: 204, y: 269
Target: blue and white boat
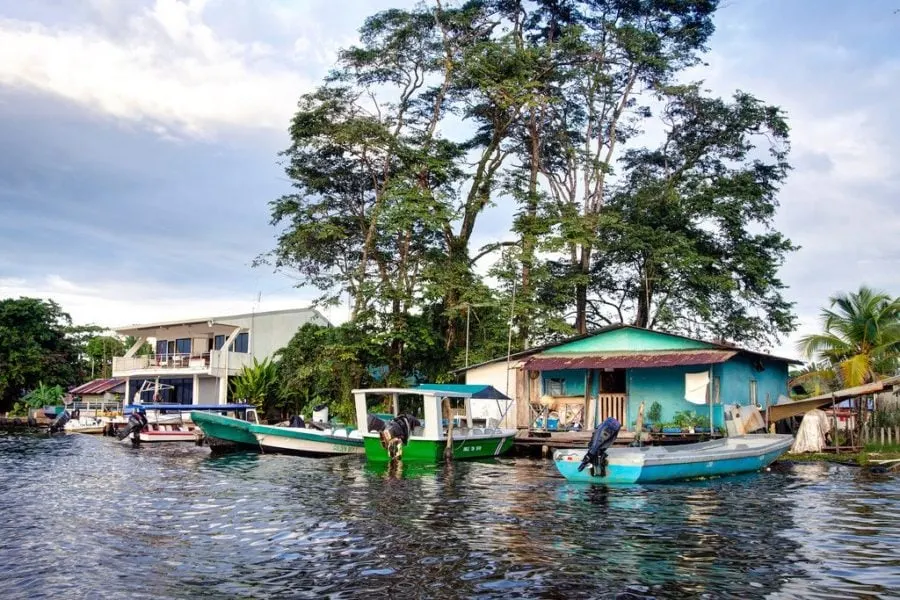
x: 654, y: 464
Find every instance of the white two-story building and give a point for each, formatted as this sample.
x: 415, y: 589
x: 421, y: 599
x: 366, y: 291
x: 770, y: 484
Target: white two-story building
x: 193, y: 359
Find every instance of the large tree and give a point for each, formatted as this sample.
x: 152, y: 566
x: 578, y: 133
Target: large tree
x: 687, y: 243
x: 34, y: 348
x: 101, y: 350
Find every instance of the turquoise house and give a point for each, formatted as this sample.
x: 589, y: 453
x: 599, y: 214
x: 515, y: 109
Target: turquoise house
x: 611, y: 372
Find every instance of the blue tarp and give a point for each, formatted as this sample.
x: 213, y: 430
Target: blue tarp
x: 479, y: 392
x: 187, y: 407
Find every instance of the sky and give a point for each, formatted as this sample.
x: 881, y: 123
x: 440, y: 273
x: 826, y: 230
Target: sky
x: 139, y: 145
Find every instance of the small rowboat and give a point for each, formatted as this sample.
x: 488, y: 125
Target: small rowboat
x: 653, y: 464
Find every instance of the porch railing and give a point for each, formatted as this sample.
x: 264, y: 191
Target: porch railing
x: 612, y: 405
x: 175, y: 360
x: 568, y: 411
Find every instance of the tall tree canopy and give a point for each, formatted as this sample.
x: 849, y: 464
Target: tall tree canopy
x: 443, y: 110
x: 34, y: 348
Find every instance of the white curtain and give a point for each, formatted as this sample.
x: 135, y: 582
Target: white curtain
x: 695, y: 387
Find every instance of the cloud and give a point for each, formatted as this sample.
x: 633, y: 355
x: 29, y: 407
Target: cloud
x: 166, y: 68
x: 111, y: 304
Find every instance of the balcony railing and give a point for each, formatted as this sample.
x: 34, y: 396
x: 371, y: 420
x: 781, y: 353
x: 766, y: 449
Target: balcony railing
x: 162, y: 361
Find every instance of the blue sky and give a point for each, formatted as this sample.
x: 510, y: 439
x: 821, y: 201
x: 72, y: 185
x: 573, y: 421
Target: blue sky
x: 139, y: 140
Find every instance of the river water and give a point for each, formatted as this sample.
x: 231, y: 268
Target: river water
x: 87, y: 517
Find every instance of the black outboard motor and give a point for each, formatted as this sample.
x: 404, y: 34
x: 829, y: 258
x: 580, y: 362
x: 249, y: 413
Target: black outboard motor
x: 604, y: 436
x: 396, y: 434
x: 297, y: 421
x: 135, y: 423
x: 59, y: 422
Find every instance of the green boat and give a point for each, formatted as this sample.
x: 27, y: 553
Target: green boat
x: 428, y: 442
x: 228, y: 432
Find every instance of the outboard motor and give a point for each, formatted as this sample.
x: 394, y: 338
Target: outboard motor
x: 396, y: 434
x: 297, y: 421
x: 135, y: 423
x: 604, y: 436
x: 373, y: 423
x: 59, y: 422
x: 320, y: 413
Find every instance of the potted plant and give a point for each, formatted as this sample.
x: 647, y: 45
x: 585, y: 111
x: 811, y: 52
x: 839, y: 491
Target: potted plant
x: 654, y: 416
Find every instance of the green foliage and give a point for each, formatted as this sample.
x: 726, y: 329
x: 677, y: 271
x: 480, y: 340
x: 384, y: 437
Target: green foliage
x: 34, y: 347
x: 144, y: 349
x: 256, y: 384
x: 687, y: 419
x: 654, y: 415
x: 321, y: 365
x: 687, y: 243
x: 861, y: 338
x: 441, y: 110
x: 100, y: 350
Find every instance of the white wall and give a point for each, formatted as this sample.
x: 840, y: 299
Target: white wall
x: 269, y: 333
x: 494, y: 374
x: 209, y: 391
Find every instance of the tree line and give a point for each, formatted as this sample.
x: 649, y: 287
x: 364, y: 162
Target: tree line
x: 635, y: 196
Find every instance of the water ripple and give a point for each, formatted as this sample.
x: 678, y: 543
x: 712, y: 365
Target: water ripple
x: 85, y: 517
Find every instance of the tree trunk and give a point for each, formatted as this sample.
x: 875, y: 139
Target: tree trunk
x: 581, y: 288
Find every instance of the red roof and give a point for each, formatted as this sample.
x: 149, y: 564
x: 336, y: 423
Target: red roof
x: 628, y: 360
x: 97, y: 386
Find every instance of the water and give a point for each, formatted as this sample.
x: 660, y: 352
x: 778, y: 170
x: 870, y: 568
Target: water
x: 85, y: 517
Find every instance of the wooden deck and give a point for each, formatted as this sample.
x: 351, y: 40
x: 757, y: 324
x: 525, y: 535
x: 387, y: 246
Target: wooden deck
x: 545, y: 442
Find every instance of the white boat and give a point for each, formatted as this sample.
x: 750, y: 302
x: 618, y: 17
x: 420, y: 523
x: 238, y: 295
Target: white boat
x: 92, y: 425
x: 728, y: 456
x: 308, y: 441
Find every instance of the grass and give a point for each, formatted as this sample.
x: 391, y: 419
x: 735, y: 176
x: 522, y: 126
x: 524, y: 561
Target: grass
x: 871, y: 452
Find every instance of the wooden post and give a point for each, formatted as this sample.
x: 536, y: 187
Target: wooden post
x: 639, y: 424
x: 882, y: 435
x: 588, y: 390
x: 837, y: 443
x: 448, y: 450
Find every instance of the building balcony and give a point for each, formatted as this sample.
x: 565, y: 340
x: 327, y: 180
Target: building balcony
x: 215, y: 363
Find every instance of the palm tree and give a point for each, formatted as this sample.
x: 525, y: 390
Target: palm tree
x: 861, y: 339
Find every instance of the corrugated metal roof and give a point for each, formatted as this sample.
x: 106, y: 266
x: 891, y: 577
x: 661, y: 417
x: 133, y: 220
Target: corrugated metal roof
x: 97, y: 386
x: 629, y: 360
x: 795, y: 408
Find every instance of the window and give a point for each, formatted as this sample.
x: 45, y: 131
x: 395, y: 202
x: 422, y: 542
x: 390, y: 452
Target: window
x: 556, y: 387
x: 752, y: 391
x: 716, y: 390
x: 242, y: 343
x: 183, y: 346
x: 161, y: 347
x: 218, y: 342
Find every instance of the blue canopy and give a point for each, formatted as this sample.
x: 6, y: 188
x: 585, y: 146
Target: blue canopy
x: 187, y: 407
x: 478, y: 391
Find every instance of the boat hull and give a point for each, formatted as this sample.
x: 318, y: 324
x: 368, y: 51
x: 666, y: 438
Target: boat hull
x: 222, y: 432
x: 305, y: 442
x: 152, y: 437
x: 422, y: 450
x: 629, y: 466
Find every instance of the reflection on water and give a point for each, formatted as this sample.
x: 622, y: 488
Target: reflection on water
x: 85, y: 516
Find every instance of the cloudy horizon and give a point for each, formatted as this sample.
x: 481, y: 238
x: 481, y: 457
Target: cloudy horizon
x: 139, y: 146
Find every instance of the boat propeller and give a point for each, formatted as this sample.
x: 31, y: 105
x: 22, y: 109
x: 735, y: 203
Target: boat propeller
x: 136, y: 422
x: 59, y: 422
x: 604, y: 436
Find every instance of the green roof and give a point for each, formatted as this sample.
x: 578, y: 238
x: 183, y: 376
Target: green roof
x: 629, y: 339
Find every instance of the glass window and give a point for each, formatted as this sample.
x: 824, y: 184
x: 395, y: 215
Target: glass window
x: 218, y: 342
x: 752, y: 391
x: 161, y: 347
x: 556, y: 387
x: 242, y: 343
x: 183, y: 346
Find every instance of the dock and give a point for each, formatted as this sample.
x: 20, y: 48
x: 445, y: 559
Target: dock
x: 543, y: 443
